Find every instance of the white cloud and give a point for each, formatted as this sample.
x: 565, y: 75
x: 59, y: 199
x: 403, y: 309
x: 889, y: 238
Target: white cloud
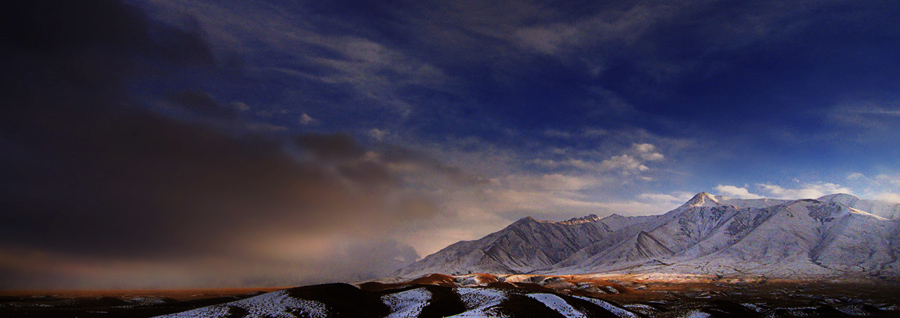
x: 856, y: 175
x: 808, y: 191
x: 623, y: 162
x: 633, y: 161
x: 736, y: 192
x: 885, y: 179
x: 890, y: 197
x: 647, y: 152
x: 307, y: 120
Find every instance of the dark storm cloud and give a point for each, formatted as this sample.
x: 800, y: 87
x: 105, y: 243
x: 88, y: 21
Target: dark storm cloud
x: 370, y: 173
x: 90, y: 169
x: 348, y: 158
x: 401, y: 155
x: 89, y: 156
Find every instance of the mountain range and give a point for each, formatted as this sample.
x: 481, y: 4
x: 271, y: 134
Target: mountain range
x: 837, y: 235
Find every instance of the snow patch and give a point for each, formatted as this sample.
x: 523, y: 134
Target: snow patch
x: 480, y: 302
x: 696, y: 314
x: 407, y: 303
x: 475, y: 298
x: 558, y: 304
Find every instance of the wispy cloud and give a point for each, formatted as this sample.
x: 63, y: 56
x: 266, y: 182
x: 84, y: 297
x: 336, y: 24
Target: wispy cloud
x: 632, y: 161
x: 865, y: 121
x: 883, y: 186
x: 273, y: 40
x: 674, y: 198
x: 807, y: 191
x: 877, y: 110
x: 766, y: 190
x: 889, y: 197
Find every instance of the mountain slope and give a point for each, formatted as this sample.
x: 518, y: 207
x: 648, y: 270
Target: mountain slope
x: 803, y: 237
x: 521, y: 247
x: 883, y: 209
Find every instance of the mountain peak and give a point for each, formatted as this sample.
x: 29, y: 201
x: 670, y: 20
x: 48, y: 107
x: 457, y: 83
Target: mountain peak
x: 702, y: 199
x: 527, y: 219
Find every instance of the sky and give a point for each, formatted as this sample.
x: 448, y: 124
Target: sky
x: 170, y: 143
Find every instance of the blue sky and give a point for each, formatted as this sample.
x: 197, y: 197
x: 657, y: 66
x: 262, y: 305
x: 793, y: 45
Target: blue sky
x: 314, y: 126
x: 795, y: 95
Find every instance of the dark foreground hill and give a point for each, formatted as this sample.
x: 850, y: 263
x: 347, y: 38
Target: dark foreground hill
x: 485, y: 295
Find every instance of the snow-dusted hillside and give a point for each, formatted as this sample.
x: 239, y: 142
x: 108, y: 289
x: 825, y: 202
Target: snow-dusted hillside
x: 832, y: 236
x: 880, y: 208
x: 523, y: 246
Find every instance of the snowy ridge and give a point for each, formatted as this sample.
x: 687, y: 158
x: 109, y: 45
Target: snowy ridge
x: 833, y: 236
x: 275, y: 304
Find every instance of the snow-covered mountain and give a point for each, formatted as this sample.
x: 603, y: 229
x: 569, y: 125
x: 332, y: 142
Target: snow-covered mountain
x: 832, y: 236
